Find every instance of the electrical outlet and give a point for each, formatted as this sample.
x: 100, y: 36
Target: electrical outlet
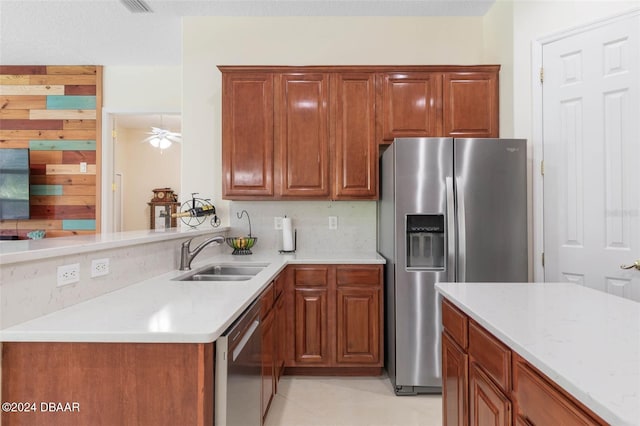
x: 333, y: 222
x: 99, y: 267
x: 277, y: 222
x: 68, y: 274
x: 83, y: 167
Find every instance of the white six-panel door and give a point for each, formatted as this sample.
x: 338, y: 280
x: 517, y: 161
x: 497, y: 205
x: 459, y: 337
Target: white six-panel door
x: 591, y: 120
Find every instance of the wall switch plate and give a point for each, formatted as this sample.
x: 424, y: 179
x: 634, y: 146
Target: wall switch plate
x: 68, y: 274
x: 99, y: 267
x: 277, y: 222
x: 83, y: 167
x: 333, y: 222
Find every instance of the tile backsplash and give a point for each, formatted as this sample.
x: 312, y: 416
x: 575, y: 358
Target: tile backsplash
x: 356, y: 224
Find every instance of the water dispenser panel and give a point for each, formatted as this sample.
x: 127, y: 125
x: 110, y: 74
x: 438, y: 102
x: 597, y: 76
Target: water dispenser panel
x: 425, y: 242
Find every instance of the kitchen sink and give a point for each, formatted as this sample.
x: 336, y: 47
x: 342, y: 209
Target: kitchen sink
x: 211, y: 277
x: 232, y: 269
x: 223, y: 272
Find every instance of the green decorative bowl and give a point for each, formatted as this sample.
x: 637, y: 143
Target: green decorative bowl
x: 241, y: 245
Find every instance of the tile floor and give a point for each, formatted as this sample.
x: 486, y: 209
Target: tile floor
x: 349, y: 401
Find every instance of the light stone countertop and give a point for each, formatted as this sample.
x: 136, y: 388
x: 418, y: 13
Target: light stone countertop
x: 165, y: 311
x: 586, y: 341
x: 30, y: 250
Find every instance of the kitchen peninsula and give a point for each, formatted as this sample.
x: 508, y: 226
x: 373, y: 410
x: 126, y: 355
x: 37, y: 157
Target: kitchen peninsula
x: 149, y: 346
x: 539, y: 350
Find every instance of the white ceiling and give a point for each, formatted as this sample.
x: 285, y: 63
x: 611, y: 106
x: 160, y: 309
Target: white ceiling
x: 105, y: 32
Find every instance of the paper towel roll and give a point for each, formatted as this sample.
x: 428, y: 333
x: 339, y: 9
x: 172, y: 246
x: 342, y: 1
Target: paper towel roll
x: 287, y: 234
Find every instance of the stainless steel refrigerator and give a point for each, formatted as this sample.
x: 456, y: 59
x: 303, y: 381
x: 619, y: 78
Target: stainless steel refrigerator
x: 449, y: 210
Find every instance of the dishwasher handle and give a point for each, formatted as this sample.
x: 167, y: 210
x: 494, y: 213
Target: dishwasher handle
x: 243, y: 342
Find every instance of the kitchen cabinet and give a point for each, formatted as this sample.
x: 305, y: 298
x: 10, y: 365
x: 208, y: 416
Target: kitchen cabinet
x: 280, y: 329
x: 247, y: 132
x: 302, y: 134
x: 111, y: 383
x: 353, y: 123
x: 268, y: 347
x: 455, y: 364
x: 441, y: 102
x: 539, y: 402
x: 310, y: 314
x: 503, y: 388
x: 312, y: 132
x: 358, y: 320
x: 470, y: 104
x: 411, y: 104
x: 336, y: 318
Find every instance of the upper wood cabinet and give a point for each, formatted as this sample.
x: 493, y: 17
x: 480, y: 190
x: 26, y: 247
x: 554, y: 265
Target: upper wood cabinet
x: 312, y: 132
x: 411, y: 104
x: 470, y: 104
x: 247, y: 134
x: 353, y: 118
x: 302, y: 134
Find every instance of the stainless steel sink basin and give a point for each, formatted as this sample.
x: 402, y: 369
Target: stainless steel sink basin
x: 210, y: 277
x: 232, y: 270
x: 223, y: 272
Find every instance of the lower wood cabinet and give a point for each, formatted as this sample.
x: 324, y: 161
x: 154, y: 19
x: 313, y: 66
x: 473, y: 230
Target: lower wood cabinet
x: 454, y: 383
x: 541, y: 403
x: 486, y: 383
x: 111, y: 383
x: 335, y: 316
x: 487, y: 404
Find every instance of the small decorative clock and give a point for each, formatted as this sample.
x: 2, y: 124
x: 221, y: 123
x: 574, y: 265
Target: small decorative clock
x: 163, y: 195
x: 163, y: 204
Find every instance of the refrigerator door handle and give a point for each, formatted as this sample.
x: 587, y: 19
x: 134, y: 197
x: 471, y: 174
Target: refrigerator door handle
x: 462, y: 244
x: 451, y: 232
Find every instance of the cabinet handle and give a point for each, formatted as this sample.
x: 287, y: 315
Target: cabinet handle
x: 635, y: 264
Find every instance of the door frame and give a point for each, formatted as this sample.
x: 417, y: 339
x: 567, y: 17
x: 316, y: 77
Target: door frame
x: 108, y: 117
x: 537, y: 46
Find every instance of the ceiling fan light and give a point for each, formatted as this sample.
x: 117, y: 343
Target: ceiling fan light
x: 165, y: 143
x: 155, y: 142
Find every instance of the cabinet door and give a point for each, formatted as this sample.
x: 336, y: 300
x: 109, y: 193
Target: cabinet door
x: 358, y: 325
x: 268, y: 346
x: 359, y: 319
x: 247, y: 134
x: 487, y: 404
x: 470, y: 104
x: 311, y: 345
x: 280, y: 338
x: 302, y: 134
x: 454, y: 383
x: 411, y: 104
x: 540, y: 403
x: 356, y: 151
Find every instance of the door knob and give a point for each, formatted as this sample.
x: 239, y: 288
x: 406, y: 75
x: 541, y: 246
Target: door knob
x: 635, y: 264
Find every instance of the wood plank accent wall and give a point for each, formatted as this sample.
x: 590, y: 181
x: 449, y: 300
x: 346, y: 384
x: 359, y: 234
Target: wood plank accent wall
x: 56, y: 112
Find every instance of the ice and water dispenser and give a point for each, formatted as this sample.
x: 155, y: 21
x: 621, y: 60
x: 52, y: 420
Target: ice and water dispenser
x: 425, y: 236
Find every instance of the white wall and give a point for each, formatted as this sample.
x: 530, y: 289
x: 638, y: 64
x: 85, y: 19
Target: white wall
x: 143, y: 168
x: 212, y: 41
x: 142, y: 89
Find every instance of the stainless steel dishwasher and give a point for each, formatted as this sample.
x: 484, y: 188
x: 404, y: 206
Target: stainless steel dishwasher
x: 238, y: 378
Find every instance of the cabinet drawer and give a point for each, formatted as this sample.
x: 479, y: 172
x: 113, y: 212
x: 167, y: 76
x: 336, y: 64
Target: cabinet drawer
x: 492, y: 355
x: 358, y: 275
x: 310, y: 276
x: 540, y: 403
x: 455, y: 322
